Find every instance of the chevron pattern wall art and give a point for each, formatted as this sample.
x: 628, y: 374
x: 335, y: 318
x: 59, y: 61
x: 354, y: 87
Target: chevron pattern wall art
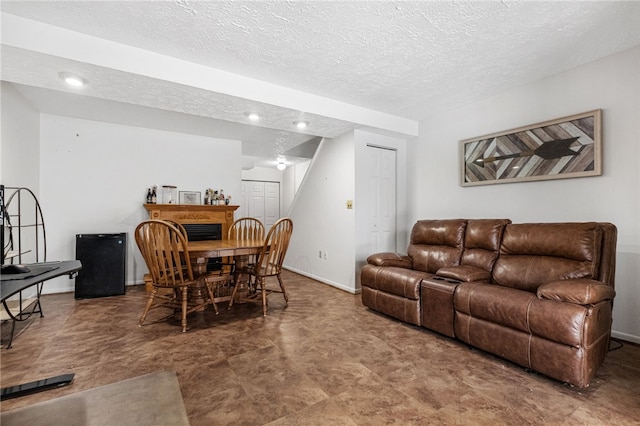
x: 566, y: 147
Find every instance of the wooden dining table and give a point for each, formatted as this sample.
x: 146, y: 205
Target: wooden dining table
x: 239, y: 250
x: 200, y: 251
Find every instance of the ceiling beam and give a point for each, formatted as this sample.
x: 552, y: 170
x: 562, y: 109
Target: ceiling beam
x: 47, y: 39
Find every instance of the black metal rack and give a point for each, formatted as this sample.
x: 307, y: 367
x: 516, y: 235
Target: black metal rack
x: 23, y: 241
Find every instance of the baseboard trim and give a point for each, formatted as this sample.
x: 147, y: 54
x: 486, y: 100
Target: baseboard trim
x: 625, y: 336
x: 323, y: 280
x: 56, y: 286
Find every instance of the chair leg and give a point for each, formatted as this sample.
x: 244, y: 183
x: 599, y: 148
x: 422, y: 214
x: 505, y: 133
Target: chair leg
x: 264, y: 296
x: 185, y: 294
x: 213, y: 300
x: 235, y: 290
x: 149, y: 303
x: 233, y: 294
x: 176, y: 297
x: 284, y: 292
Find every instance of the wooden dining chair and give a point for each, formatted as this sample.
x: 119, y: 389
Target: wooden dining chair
x: 245, y: 228
x: 269, y: 262
x: 164, y: 249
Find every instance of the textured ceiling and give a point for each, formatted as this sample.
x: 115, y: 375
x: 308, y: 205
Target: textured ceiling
x: 406, y: 59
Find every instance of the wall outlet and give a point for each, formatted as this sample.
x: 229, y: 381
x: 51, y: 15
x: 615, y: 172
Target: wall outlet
x: 324, y: 255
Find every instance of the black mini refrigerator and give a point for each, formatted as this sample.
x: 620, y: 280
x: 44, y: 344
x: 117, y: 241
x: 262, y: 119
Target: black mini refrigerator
x: 104, y: 260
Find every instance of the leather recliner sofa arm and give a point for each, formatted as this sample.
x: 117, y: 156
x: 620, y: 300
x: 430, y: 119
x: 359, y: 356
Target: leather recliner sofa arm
x: 390, y: 259
x: 464, y: 273
x: 579, y: 291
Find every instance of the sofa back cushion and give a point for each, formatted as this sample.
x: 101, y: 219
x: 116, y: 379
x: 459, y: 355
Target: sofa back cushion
x: 482, y: 242
x: 532, y: 254
x: 435, y: 244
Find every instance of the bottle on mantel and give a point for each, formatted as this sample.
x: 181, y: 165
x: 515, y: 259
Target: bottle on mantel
x: 154, y: 196
x: 206, y: 197
x: 148, y: 195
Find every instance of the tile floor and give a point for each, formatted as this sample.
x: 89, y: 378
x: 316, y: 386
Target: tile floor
x: 322, y: 360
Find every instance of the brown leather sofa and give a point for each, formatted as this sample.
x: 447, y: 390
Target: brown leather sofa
x: 538, y: 294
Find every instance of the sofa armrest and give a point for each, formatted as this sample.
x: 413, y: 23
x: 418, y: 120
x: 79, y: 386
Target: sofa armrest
x: 464, y: 273
x: 390, y: 259
x: 580, y: 291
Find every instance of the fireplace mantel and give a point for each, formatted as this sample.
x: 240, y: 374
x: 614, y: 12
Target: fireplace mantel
x: 186, y: 213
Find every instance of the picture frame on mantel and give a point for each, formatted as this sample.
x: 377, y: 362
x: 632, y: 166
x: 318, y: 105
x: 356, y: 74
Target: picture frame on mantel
x: 189, y: 197
x: 566, y: 147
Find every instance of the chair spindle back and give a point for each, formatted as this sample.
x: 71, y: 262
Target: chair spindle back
x: 164, y: 248
x: 275, y: 247
x: 246, y: 228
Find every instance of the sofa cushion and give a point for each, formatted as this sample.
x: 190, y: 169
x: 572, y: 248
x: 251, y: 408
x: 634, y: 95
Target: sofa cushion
x: 482, y: 242
x: 500, y: 305
x: 536, y: 253
x: 464, y: 273
x: 580, y: 291
x: 436, y: 243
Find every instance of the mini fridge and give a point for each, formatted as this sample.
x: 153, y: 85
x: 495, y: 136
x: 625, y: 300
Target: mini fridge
x: 104, y: 260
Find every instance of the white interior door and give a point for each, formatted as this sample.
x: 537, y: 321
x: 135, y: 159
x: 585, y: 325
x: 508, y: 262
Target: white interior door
x: 261, y: 200
x: 380, y: 200
x: 243, y: 209
x: 256, y: 200
x: 271, y: 203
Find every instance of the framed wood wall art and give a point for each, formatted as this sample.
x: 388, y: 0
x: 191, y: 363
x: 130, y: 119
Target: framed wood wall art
x: 567, y: 147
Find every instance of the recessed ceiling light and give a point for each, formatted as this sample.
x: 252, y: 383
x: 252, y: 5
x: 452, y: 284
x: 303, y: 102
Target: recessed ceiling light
x: 301, y: 124
x: 73, y: 80
x: 253, y: 116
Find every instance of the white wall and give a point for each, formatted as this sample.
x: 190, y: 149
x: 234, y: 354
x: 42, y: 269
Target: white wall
x: 19, y: 146
x: 612, y: 84
x: 270, y: 174
x: 321, y: 221
x: 293, y: 177
x: 94, y: 178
